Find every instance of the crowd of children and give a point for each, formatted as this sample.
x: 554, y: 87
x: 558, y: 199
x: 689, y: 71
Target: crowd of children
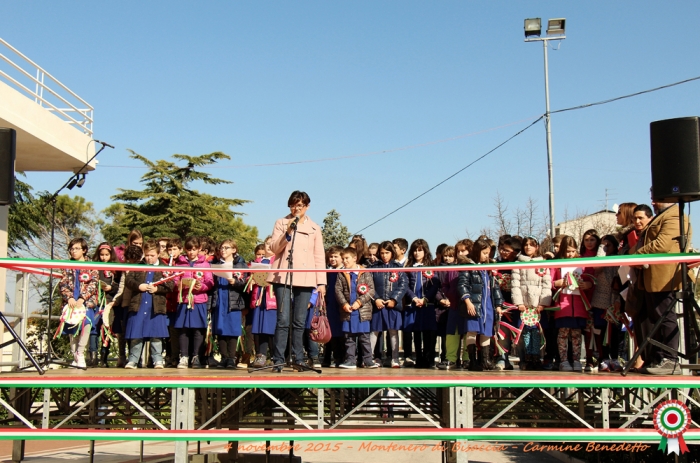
x: 449, y: 319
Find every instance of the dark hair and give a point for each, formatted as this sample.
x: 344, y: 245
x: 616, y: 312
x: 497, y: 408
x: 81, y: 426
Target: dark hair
x: 373, y: 245
x: 644, y: 208
x: 207, y: 244
x: 133, y: 235
x: 387, y: 246
x: 502, y: 238
x: 335, y: 249
x: 259, y: 247
x: 298, y: 196
x: 475, y: 253
x: 400, y: 242
x: 531, y: 240
x: 100, y: 247
x: 557, y: 239
x: 81, y: 242
x: 174, y: 242
x: 591, y: 232
x: 133, y: 253
x: 612, y: 241
x: 349, y: 251
x: 566, y: 242
x: 515, y: 242
x: 438, y: 252
x: 192, y: 243
x: 419, y: 244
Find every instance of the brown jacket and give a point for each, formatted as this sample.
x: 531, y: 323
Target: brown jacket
x: 342, y: 294
x: 308, y: 253
x: 661, y: 236
x: 134, y: 279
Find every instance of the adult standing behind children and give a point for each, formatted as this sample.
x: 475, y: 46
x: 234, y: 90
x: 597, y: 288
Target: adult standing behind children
x: 307, y: 253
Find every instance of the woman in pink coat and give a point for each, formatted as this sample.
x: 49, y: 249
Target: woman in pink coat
x: 308, y: 253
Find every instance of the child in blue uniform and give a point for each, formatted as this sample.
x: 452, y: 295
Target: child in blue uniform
x: 147, y: 317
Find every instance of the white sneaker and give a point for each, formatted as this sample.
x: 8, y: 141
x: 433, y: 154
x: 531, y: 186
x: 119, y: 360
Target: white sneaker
x: 131, y: 366
x: 184, y: 363
x: 80, y: 361
x: 566, y: 366
x: 159, y: 365
x: 395, y: 364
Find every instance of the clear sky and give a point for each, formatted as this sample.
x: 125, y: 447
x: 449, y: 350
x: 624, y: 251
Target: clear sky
x: 420, y: 89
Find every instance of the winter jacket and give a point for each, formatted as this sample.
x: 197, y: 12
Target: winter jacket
x: 470, y: 285
x: 235, y: 291
x: 531, y: 287
x: 431, y: 285
x: 112, y: 279
x: 571, y: 304
x: 88, y: 286
x: 386, y: 289
x: 342, y: 294
x: 308, y: 253
x: 200, y: 295
x: 134, y: 279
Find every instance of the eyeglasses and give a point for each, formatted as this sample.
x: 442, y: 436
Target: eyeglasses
x: 75, y: 249
x: 298, y: 206
x: 225, y: 248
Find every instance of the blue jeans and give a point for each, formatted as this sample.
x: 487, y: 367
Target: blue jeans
x: 302, y: 296
x: 136, y: 346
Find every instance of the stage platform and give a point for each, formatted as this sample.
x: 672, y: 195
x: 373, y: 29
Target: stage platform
x: 379, y: 404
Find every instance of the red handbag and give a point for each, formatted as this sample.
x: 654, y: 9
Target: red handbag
x: 320, y: 328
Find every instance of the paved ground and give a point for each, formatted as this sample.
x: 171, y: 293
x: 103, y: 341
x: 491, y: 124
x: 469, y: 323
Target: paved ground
x: 347, y: 452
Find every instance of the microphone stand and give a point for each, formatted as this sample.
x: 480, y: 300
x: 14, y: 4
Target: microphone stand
x: 288, y: 283
x: 49, y: 357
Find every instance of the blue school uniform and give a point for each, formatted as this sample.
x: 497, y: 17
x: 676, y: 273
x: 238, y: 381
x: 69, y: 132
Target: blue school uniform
x: 225, y: 322
x: 332, y: 309
x: 354, y: 325
x: 420, y: 286
x: 388, y: 318
x: 483, y: 323
x: 264, y: 320
x: 145, y: 323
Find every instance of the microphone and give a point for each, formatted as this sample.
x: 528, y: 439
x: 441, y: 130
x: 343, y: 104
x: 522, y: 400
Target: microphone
x: 105, y: 144
x: 294, y: 223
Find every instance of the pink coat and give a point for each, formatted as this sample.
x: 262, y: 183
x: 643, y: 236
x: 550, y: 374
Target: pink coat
x: 308, y: 253
x: 207, y: 278
x: 571, y: 304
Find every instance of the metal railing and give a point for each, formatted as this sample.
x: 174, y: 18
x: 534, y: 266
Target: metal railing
x: 48, y: 92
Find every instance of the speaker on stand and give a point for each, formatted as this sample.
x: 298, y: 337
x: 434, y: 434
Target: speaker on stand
x: 675, y: 178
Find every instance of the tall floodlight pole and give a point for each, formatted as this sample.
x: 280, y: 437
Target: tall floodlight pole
x: 555, y: 31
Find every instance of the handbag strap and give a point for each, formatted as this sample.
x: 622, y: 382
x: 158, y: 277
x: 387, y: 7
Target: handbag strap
x: 320, y: 306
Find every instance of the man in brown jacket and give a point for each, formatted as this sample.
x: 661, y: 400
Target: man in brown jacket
x: 659, y: 282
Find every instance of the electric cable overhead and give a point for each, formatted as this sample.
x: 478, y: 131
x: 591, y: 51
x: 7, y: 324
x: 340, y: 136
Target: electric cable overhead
x: 451, y: 176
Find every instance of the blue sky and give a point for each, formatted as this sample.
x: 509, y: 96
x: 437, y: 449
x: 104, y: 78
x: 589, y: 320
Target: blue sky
x: 271, y: 82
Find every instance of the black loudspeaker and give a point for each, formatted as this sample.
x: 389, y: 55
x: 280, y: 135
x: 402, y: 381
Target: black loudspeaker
x: 675, y: 159
x: 7, y: 166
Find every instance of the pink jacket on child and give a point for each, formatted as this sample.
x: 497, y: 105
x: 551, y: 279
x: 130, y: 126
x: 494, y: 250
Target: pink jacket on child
x: 207, y: 278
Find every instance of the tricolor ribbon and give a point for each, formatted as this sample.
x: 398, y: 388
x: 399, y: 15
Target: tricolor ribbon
x: 671, y: 420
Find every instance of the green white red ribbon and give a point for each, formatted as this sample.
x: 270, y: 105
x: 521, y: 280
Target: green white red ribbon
x: 671, y: 420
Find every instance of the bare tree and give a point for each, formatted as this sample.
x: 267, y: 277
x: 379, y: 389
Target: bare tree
x: 503, y: 223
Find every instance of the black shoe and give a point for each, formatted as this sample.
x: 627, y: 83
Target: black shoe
x: 196, y: 363
x: 277, y: 369
x: 447, y: 365
x: 232, y: 363
x: 486, y: 360
x: 509, y: 366
x: 212, y: 362
x: 473, y: 365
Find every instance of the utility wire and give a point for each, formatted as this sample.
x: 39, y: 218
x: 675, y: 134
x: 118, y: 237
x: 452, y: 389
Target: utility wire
x: 588, y: 105
x: 451, y: 176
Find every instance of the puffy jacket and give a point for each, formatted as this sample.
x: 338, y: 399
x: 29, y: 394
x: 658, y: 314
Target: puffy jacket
x: 470, y: 285
x: 200, y: 295
x: 135, y: 279
x: 236, y: 300
x: 342, y: 294
x: 386, y: 289
x: 431, y: 285
x: 531, y: 286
